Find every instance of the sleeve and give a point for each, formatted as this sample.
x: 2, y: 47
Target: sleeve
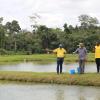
x: 65, y: 51
x: 76, y: 50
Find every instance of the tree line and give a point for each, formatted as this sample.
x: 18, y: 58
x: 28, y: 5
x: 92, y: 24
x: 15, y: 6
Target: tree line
x: 14, y: 40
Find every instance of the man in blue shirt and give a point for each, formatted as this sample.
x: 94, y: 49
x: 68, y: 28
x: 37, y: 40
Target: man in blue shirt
x: 82, y: 52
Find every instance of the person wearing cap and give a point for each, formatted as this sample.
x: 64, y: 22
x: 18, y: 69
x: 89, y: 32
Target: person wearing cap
x: 97, y: 56
x: 60, y: 52
x: 82, y: 52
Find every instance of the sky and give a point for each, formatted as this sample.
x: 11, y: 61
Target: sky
x: 52, y: 13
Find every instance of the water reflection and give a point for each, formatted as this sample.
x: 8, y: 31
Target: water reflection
x: 45, y: 67
x: 48, y: 92
x: 59, y: 94
x: 77, y: 93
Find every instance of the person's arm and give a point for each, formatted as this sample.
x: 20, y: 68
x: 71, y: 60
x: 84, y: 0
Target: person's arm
x: 94, y: 49
x: 54, y: 51
x: 76, y: 51
x: 65, y: 51
x: 48, y: 50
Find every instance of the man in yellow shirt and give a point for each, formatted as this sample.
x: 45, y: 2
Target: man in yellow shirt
x: 60, y: 52
x: 60, y: 57
x: 97, y: 56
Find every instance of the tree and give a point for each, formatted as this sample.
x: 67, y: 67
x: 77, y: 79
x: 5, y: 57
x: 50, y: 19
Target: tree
x: 93, y: 21
x: 13, y: 27
x: 44, y: 34
x: 1, y: 19
x: 87, y: 21
x: 71, y: 27
x: 2, y: 33
x: 8, y: 27
x: 35, y: 19
x: 66, y: 29
x: 2, y: 36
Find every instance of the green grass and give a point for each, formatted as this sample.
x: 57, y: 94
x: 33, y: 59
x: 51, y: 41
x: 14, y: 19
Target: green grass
x: 88, y: 79
x: 41, y: 57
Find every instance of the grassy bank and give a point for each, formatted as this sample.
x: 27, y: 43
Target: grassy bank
x: 89, y: 79
x: 41, y: 57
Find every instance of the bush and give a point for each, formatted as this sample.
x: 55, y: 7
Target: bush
x: 3, y: 51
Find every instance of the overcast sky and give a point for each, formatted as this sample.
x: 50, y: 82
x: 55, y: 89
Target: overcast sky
x: 53, y: 13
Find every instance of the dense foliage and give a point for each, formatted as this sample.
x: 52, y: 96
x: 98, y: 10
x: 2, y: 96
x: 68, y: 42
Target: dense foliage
x: 15, y: 40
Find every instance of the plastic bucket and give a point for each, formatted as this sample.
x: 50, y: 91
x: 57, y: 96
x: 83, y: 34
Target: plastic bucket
x: 72, y: 71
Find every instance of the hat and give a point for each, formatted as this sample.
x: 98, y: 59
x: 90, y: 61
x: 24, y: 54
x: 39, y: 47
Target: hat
x: 60, y: 45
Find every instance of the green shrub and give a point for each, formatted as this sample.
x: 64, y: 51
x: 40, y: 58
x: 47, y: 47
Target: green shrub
x: 3, y: 51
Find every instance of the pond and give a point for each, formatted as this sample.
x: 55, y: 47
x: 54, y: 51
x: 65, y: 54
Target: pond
x: 48, y: 92
x: 45, y: 67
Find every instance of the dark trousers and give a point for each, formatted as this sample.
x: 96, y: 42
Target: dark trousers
x: 97, y: 60
x: 81, y: 66
x: 59, y: 65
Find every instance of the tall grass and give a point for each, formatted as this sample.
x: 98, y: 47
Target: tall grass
x: 42, y: 57
x: 89, y: 79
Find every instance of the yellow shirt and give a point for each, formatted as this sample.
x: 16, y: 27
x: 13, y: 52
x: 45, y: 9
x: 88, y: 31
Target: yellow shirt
x: 60, y: 52
x: 97, y: 51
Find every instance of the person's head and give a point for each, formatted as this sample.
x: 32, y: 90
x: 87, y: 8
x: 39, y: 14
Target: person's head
x: 97, y: 43
x: 81, y: 45
x: 60, y: 46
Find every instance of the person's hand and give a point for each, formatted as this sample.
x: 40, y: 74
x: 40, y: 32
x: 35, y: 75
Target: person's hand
x: 73, y: 52
x: 47, y: 49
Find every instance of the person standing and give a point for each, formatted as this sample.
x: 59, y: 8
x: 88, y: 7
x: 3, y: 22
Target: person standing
x: 97, y: 56
x: 82, y: 52
x: 60, y: 52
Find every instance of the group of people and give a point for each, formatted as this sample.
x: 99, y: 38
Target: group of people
x: 82, y: 52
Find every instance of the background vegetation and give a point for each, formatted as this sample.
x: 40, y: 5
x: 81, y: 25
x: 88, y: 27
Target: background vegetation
x: 14, y: 40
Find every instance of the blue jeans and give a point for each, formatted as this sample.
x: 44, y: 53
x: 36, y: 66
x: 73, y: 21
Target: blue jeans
x: 59, y: 65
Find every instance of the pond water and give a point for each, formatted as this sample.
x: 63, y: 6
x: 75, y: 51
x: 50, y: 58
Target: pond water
x: 45, y: 67
x: 48, y: 92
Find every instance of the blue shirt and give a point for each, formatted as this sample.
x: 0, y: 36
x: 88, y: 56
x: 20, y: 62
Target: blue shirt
x: 82, y: 52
